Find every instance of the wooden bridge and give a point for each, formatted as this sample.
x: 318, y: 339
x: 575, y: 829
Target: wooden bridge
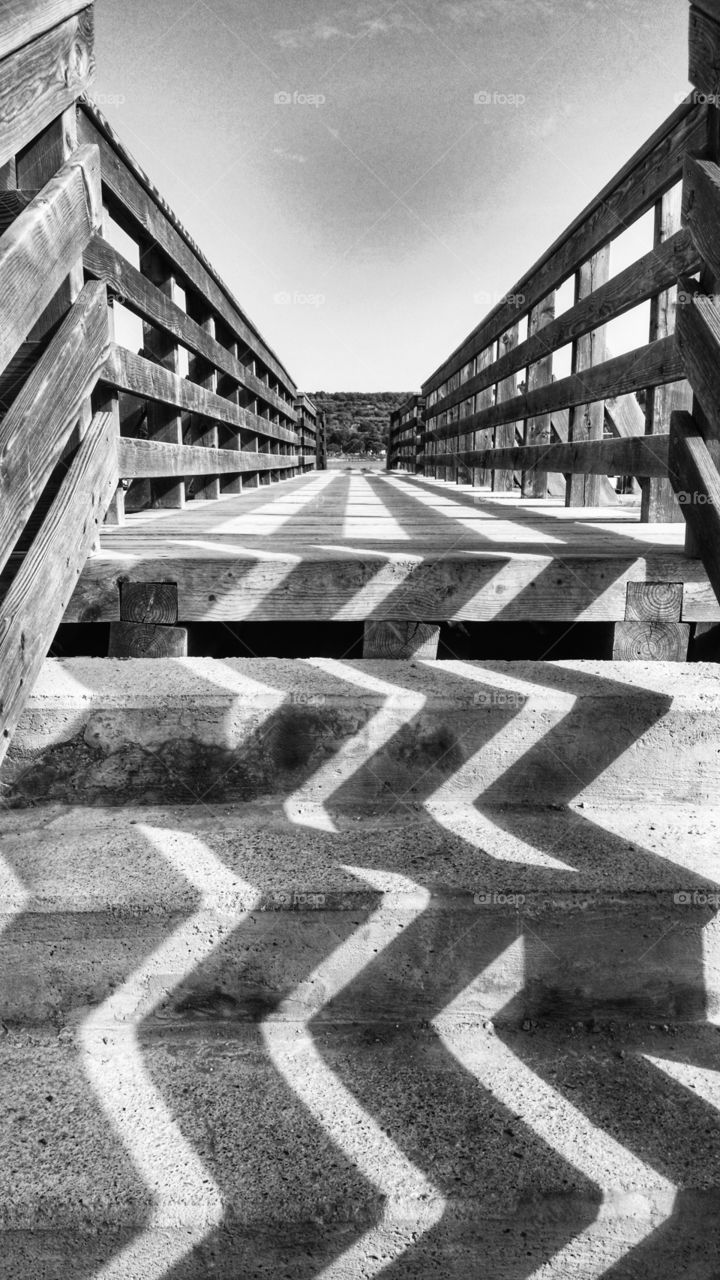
x: 337, y: 968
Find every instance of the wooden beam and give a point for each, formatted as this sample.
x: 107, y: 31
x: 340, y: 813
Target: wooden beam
x: 43, y: 79
x: 164, y: 422
x: 138, y: 640
x: 206, y: 434
x: 658, y: 500
x: 130, y: 372
x: 152, y: 459
x: 503, y: 479
x: 587, y: 420
x: 43, y: 244
x: 695, y: 479
x: 152, y: 216
x: 698, y: 338
x: 701, y: 209
x: 401, y: 640
x: 149, y: 603
x: 35, y: 603
x: 646, y: 367
x: 538, y: 430
x: 657, y: 270
x: 25, y: 20
x: 13, y: 203
x: 651, y: 642
x: 704, y: 41
x: 48, y: 408
x: 654, y: 601
x: 637, y: 456
x: 650, y: 172
x: 624, y: 416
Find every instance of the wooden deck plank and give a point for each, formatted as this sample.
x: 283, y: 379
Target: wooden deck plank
x: 334, y: 547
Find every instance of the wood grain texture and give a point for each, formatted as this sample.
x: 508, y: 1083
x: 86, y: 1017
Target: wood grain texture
x: 153, y: 459
x: 639, y: 456
x: 133, y: 373
x: 44, y: 242
x: 40, y: 81
x: 44, y: 414
x: 152, y: 216
x: 654, y: 168
x: 401, y: 640
x: 38, y: 597
x: 647, y: 366
x: 624, y: 416
x: 651, y: 642
x: 704, y: 38
x: 13, y: 203
x: 25, y: 20
x: 654, y: 602
x: 149, y: 602
x: 698, y: 339
x: 657, y: 270
x: 701, y: 209
x: 587, y: 420
x: 138, y: 640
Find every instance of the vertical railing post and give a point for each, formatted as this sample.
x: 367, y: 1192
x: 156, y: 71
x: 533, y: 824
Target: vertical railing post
x: 483, y: 400
x: 164, y: 422
x: 658, y: 500
x: 538, y: 431
x: 586, y: 422
x: 206, y: 434
x: 503, y: 480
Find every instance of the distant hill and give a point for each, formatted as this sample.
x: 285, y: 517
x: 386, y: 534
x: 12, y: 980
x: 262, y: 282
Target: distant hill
x: 357, y: 422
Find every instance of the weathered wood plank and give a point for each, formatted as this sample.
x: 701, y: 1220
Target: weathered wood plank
x: 587, y: 420
x: 698, y: 338
x: 502, y: 478
x: 624, y: 416
x: 695, y: 479
x: 38, y: 597
x: 710, y: 7
x: 130, y: 372
x: 25, y: 20
x: 701, y: 209
x: 44, y: 414
x: 646, y: 367
x: 650, y: 172
x: 401, y: 640
x: 164, y: 422
x: 38, y: 82
x: 638, y: 455
x: 704, y: 41
x: 657, y: 270
x: 130, y: 286
x: 205, y: 434
x: 150, y: 459
x: 43, y: 243
x: 152, y: 216
x: 13, y: 203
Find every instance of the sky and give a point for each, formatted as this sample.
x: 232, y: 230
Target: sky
x: 370, y: 178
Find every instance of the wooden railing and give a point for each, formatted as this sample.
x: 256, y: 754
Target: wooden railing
x: 478, y: 415
x: 86, y: 424
x: 405, y: 436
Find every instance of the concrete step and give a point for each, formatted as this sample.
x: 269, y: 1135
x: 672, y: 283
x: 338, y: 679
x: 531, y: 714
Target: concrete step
x: 299, y: 1151
x: 226, y: 914
x: 334, y: 733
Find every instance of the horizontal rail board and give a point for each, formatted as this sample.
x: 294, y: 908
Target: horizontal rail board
x: 649, y: 366
x: 704, y: 50
x: 658, y: 270
x: 44, y: 242
x: 40, y: 81
x: 701, y: 208
x: 695, y: 478
x: 39, y: 595
x: 141, y: 377
x: 25, y: 20
x: 138, y: 197
x: 634, y: 456
x: 41, y: 419
x: 651, y: 171
x: 103, y: 262
x: 148, y: 459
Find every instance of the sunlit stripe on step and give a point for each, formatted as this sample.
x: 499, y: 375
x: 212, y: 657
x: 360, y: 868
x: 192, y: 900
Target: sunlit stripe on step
x: 453, y: 804
x: 187, y: 1203
x: 412, y: 1205
x: 306, y: 806
x: 644, y: 1200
